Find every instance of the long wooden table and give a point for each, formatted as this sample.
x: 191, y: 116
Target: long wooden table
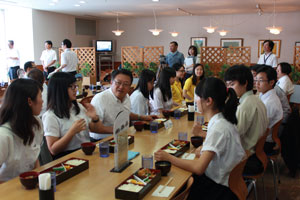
x: 98, y: 182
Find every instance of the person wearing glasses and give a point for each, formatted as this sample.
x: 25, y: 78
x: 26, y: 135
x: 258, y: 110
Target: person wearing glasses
x: 66, y: 122
x: 176, y: 87
x: 265, y: 81
x: 114, y: 100
x: 69, y: 59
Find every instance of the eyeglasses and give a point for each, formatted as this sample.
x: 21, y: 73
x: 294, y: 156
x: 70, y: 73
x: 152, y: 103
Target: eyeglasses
x: 73, y: 87
x: 124, y: 84
x: 260, y: 81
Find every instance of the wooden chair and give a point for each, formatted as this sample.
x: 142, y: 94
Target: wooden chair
x: 236, y: 181
x: 273, y: 157
x: 184, y: 194
x: 261, y: 155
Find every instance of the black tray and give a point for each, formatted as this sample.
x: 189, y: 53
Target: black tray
x: 181, y: 151
x: 112, y: 146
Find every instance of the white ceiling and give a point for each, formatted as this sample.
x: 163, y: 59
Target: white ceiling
x: 140, y: 8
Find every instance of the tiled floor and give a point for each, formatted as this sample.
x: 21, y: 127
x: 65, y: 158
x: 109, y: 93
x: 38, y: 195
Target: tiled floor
x: 288, y: 189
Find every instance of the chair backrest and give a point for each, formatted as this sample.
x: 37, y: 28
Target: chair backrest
x: 259, y: 149
x: 236, y: 181
x: 183, y: 195
x: 275, y: 134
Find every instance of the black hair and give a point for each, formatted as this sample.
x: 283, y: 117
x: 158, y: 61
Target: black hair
x: 163, y: 82
x: 36, y: 74
x: 255, y: 67
x: 225, y: 100
x: 270, y: 72
x: 28, y: 65
x: 271, y: 44
x: 175, y: 43
x: 194, y: 77
x: 11, y: 42
x: 67, y: 42
x: 195, y: 50
x: 240, y: 73
x: 145, y: 77
x: 285, y: 68
x: 58, y: 98
x: 122, y: 71
x: 49, y: 42
x: 16, y: 110
x: 177, y: 66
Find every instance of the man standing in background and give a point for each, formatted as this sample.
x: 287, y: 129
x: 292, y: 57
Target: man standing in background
x: 174, y: 56
x: 48, y: 59
x: 268, y: 58
x: 13, y: 60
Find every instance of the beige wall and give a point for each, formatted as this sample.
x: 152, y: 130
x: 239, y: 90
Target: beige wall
x: 250, y: 27
x: 55, y: 27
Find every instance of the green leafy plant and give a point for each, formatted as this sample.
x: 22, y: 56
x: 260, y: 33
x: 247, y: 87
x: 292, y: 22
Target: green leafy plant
x: 223, y: 70
x: 85, y: 69
x: 153, y: 67
x: 295, y: 75
x: 208, y: 72
x: 140, y: 68
x: 127, y: 65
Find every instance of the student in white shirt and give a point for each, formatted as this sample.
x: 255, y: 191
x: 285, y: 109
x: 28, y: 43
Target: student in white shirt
x: 268, y: 58
x: 140, y: 97
x: 284, y: 81
x: 265, y: 81
x: 111, y: 102
x: 13, y: 59
x: 21, y: 132
x: 162, y: 97
x: 48, y: 59
x: 67, y: 123
x: 190, y: 61
x: 221, y: 150
x: 69, y: 59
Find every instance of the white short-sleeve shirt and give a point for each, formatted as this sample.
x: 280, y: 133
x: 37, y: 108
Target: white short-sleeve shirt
x: 223, y: 139
x: 48, y: 56
x: 108, y: 106
x: 139, y: 104
x: 13, y: 53
x: 15, y: 157
x: 269, y: 59
x: 58, y: 127
x: 70, y: 58
x: 158, y: 102
x: 274, y: 109
x: 286, y: 84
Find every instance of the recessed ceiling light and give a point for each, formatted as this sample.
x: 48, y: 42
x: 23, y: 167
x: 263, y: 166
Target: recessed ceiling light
x: 76, y: 5
x: 155, y: 0
x: 82, y: 2
x: 52, y: 4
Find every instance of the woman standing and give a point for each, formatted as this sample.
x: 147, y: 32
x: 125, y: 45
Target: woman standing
x: 67, y: 123
x: 191, y: 61
x: 21, y: 131
x: 176, y: 87
x: 221, y: 150
x: 190, y: 83
x: 140, y: 97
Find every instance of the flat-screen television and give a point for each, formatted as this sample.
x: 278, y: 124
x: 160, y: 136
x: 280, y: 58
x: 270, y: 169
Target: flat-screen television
x: 104, y: 46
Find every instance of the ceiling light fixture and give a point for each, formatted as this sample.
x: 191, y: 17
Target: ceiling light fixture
x: 155, y: 0
x: 76, y: 5
x: 82, y: 2
x: 118, y: 32
x: 210, y: 29
x: 174, y: 33
x: 155, y: 31
x: 52, y: 4
x: 273, y: 29
x: 223, y: 32
x: 260, y: 11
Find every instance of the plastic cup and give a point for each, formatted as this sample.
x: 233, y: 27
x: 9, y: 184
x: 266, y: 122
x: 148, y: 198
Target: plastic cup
x: 153, y: 127
x: 104, y: 149
x: 147, y: 161
x: 200, y: 120
x: 183, y: 136
x: 177, y: 114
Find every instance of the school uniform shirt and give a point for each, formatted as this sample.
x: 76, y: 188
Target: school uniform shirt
x: 274, y: 109
x: 286, y: 84
x: 139, y: 104
x: 190, y: 88
x: 13, y: 53
x: 223, y: 139
x: 177, y: 94
x: 48, y: 56
x: 268, y: 59
x: 15, y: 157
x: 70, y: 58
x: 158, y: 102
x: 108, y: 106
x: 58, y: 127
x: 284, y: 102
x: 252, y: 120
x: 44, y: 97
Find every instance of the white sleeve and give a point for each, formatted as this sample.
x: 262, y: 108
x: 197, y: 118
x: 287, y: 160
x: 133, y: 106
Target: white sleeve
x: 4, y: 148
x: 63, y: 59
x: 274, y: 62
x: 42, y: 56
x: 51, y: 125
x: 54, y: 55
x: 82, y: 109
x: 138, y: 105
x: 158, y: 100
x: 260, y: 60
x: 215, y: 142
x: 96, y: 102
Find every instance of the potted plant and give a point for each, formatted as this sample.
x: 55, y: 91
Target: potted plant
x: 85, y: 72
x: 295, y: 75
x: 223, y: 70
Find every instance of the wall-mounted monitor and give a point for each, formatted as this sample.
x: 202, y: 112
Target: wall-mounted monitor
x: 104, y: 46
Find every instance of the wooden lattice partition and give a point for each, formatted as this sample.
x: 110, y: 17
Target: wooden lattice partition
x: 85, y: 55
x: 215, y: 57
x: 297, y: 58
x: 147, y: 54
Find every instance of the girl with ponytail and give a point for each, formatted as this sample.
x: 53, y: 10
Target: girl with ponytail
x: 221, y: 150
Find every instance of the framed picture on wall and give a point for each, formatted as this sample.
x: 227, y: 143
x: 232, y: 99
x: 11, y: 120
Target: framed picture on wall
x: 231, y: 42
x: 199, y: 42
x: 297, y: 44
x: 276, y: 48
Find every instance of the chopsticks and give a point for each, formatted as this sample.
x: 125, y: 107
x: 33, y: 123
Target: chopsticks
x: 187, y: 155
x: 169, y: 181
